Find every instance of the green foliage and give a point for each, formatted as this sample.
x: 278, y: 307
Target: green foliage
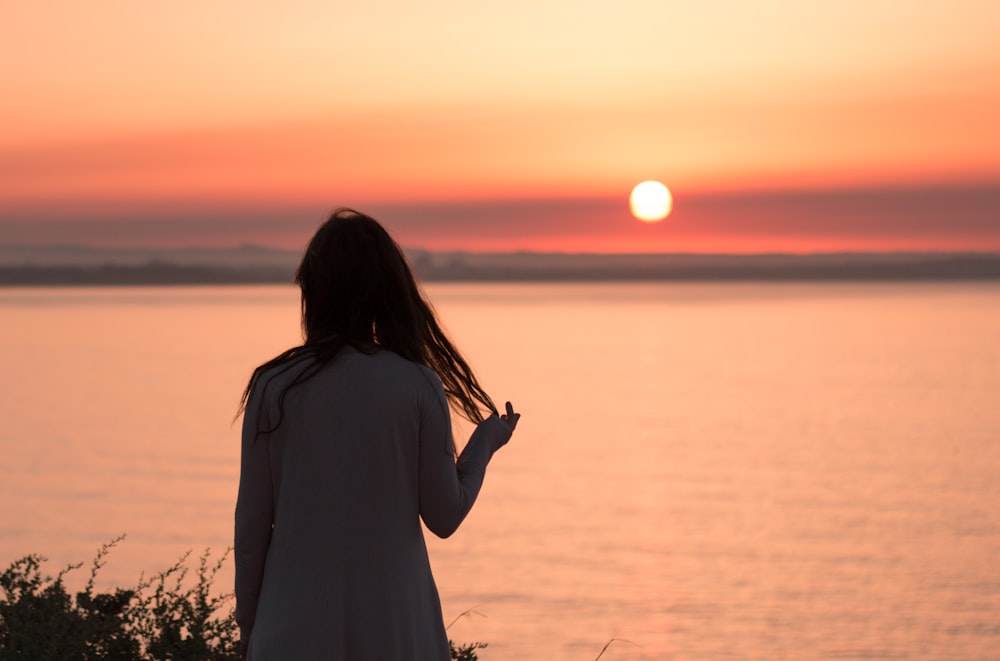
x: 182, y: 624
x: 159, y: 619
x: 166, y: 618
x: 465, y: 652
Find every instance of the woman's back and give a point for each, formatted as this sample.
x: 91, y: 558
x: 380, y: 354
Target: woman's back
x: 344, y: 452
x: 346, y: 573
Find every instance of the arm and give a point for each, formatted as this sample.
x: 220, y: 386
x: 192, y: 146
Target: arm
x: 254, y: 518
x: 447, y: 490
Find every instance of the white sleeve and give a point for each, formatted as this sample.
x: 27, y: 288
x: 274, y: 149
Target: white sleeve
x: 254, y: 516
x: 448, y: 490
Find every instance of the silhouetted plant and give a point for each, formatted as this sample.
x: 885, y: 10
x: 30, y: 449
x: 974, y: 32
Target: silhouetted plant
x: 465, y: 652
x: 158, y: 619
x: 161, y: 619
x: 182, y: 624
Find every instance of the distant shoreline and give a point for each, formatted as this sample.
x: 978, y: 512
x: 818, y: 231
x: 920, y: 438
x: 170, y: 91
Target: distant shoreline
x: 529, y: 267
x: 136, y: 275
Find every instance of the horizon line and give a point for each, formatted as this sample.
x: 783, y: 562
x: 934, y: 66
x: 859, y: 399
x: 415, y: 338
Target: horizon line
x: 246, y: 246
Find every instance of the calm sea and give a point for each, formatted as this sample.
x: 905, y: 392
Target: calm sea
x: 702, y: 471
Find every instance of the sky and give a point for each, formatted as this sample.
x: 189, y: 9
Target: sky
x: 779, y: 125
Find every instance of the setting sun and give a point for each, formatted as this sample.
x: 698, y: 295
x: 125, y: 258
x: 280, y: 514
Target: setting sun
x: 651, y: 201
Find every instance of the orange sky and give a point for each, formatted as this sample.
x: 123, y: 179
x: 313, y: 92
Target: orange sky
x: 116, y: 111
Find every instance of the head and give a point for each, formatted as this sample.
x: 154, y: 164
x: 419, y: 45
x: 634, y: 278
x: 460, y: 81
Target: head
x: 358, y: 290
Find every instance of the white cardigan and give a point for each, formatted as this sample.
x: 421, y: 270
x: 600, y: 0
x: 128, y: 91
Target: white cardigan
x: 330, y: 556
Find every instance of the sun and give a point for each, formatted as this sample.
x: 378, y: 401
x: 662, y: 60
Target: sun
x: 651, y: 201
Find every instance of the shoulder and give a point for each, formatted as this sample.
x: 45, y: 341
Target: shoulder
x: 428, y: 375
x: 272, y: 377
x: 420, y: 378
x: 433, y: 388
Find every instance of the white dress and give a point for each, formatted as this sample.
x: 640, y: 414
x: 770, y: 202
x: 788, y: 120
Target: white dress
x: 330, y: 556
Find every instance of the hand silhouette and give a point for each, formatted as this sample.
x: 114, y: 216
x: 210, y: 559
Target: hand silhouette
x: 496, y: 429
x: 510, y: 417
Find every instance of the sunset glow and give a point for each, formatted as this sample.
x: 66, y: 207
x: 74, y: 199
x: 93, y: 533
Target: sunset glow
x: 122, y: 111
x: 650, y: 201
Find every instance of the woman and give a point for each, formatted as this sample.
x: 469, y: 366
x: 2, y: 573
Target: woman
x: 346, y: 447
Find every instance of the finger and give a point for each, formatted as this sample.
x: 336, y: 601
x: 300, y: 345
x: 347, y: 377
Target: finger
x: 510, y: 409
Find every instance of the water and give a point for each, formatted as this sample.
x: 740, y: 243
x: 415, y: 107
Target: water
x: 706, y: 471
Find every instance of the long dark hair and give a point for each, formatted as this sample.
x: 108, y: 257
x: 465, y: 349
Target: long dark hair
x: 357, y: 290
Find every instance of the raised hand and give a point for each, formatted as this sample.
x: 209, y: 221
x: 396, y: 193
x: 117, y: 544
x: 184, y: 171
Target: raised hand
x: 510, y: 417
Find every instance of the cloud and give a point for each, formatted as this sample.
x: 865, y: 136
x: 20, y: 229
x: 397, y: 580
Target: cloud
x: 927, y: 218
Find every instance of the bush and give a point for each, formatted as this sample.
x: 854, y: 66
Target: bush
x: 465, y: 652
x: 157, y: 620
